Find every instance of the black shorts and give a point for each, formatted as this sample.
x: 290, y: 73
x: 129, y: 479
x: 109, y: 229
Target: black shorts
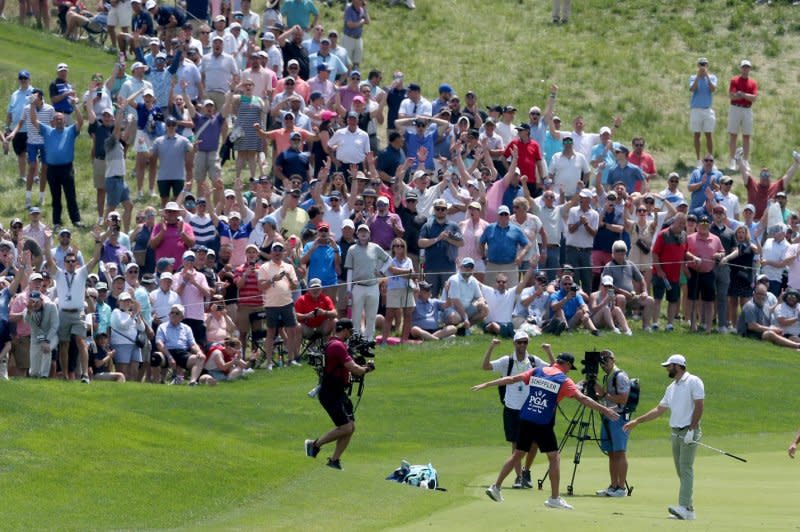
x: 170, y: 185
x: 20, y: 144
x: 280, y: 316
x: 181, y: 357
x: 659, y: 290
x: 701, y: 286
x: 544, y: 436
x: 511, y: 423
x: 5, y: 333
x: 338, y: 406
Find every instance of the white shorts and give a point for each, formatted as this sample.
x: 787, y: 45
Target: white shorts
x: 740, y: 119
x: 354, y: 47
x: 121, y: 15
x: 144, y: 143
x: 702, y: 120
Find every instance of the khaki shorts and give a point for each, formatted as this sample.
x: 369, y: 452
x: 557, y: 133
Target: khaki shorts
x: 400, y: 298
x: 702, y: 120
x: 206, y: 164
x: 70, y: 323
x: 99, y: 174
x: 21, y: 351
x: 740, y: 119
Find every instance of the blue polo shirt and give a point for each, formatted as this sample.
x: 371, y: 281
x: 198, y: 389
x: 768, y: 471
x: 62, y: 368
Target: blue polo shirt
x: 293, y: 162
x: 298, y: 12
x: 628, y: 174
x: 611, y: 162
x: 19, y: 99
x: 502, y: 242
x: 702, y: 97
x: 698, y: 198
x: 570, y: 307
x: 321, y: 264
x: 437, y: 258
x: 427, y: 315
x: 59, y: 146
x: 414, y: 142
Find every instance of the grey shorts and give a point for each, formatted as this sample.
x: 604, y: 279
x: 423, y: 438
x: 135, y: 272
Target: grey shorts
x: 99, y: 173
x: 116, y: 191
x: 70, y: 323
x: 206, y: 164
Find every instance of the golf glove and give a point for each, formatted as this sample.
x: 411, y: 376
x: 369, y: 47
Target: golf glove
x: 689, y: 437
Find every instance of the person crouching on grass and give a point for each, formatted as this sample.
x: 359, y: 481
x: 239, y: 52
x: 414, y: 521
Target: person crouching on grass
x: 546, y: 388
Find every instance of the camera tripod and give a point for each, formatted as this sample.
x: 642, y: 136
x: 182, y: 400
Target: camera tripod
x: 582, y: 428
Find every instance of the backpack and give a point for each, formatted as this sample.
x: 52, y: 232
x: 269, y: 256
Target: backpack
x: 502, y: 389
x: 420, y: 476
x: 633, y: 394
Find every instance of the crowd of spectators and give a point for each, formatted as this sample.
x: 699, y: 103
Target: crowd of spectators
x: 429, y: 217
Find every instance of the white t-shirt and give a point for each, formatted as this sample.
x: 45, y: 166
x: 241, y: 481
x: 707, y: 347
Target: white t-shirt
x: 773, y: 251
x: 680, y: 397
x: 581, y: 238
x: 71, y: 288
x: 335, y: 219
x: 567, y: 171
x: 517, y: 393
x: 531, y: 227
x: 501, y: 306
x: 785, y: 311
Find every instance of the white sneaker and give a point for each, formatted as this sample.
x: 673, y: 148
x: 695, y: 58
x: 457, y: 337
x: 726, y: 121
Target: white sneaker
x: 618, y: 492
x: 682, y: 512
x: 558, y: 502
x: 746, y: 165
x: 796, y: 156
x: 732, y: 166
x: 669, y: 327
x: 629, y: 333
x: 494, y: 493
x: 723, y: 330
x: 604, y: 492
x: 616, y: 330
x: 738, y: 155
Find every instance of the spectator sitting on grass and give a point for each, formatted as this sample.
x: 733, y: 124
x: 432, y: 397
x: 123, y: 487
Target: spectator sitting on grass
x: 569, y: 307
x: 103, y: 360
x: 756, y: 318
x: 427, y: 317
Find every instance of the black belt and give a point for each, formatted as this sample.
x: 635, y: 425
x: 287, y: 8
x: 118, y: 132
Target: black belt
x: 365, y: 284
x: 740, y: 105
x: 550, y: 246
x: 580, y: 249
x: 680, y: 428
x: 70, y: 310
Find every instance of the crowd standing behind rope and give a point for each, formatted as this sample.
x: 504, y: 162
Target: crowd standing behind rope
x: 461, y: 217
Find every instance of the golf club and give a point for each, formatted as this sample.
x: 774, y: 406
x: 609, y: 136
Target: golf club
x: 720, y: 451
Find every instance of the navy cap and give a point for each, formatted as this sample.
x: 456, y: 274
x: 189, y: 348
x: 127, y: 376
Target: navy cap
x: 24, y: 74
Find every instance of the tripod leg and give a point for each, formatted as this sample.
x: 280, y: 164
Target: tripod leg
x: 583, y: 431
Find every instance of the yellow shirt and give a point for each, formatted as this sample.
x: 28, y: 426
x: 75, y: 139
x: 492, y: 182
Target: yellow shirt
x: 280, y: 293
x: 293, y: 222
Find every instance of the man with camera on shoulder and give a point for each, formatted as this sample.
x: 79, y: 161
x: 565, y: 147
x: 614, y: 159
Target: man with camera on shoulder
x: 613, y: 393
x: 333, y: 395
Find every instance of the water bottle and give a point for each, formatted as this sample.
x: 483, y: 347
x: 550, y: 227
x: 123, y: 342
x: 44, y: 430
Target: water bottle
x: 667, y: 284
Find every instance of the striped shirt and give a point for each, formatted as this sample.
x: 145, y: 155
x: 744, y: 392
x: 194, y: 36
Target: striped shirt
x: 203, y: 227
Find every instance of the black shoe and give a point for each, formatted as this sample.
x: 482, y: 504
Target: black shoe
x: 311, y: 450
x: 595, y: 333
x: 561, y: 328
x: 334, y: 464
x: 517, y: 483
x: 526, y: 479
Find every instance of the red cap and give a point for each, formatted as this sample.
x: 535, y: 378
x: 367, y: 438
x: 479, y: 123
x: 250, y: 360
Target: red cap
x: 324, y: 225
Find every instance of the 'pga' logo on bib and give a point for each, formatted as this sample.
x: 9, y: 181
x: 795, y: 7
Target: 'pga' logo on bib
x: 538, y: 399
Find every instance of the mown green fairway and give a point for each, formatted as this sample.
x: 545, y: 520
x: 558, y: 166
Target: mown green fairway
x: 136, y: 456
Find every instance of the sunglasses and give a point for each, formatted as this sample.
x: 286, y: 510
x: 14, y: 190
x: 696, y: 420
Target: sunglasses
x: 132, y: 271
x: 71, y: 261
x: 398, y: 246
x: 708, y: 160
x: 503, y: 214
x: 440, y: 209
x: 673, y: 180
x: 536, y: 114
x: 174, y: 313
x: 521, y: 342
x: 638, y: 145
x: 641, y: 210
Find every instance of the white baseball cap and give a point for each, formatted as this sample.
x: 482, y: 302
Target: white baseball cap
x: 520, y: 335
x: 675, y: 359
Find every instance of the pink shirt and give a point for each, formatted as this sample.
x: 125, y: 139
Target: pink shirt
x: 705, y: 248
x: 191, y: 296
x: 281, y: 137
x: 172, y: 246
x: 264, y: 81
x: 793, y: 268
x: 472, y: 234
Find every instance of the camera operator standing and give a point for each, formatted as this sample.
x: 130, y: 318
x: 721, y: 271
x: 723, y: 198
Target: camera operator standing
x: 685, y: 397
x: 613, y: 440
x: 332, y: 393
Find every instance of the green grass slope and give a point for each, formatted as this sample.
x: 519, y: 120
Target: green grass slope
x: 136, y: 456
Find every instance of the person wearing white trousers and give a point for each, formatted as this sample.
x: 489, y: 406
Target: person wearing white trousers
x: 366, y: 262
